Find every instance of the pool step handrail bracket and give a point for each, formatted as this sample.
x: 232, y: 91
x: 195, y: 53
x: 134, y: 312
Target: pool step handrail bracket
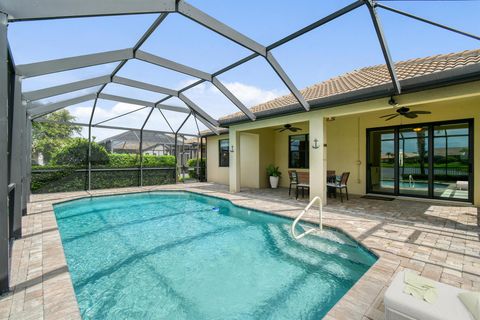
x: 299, y: 217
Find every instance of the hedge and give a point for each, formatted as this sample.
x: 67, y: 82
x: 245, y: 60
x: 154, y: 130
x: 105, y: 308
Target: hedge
x: 192, y: 163
x: 64, y: 178
x: 75, y: 153
x: 123, y: 160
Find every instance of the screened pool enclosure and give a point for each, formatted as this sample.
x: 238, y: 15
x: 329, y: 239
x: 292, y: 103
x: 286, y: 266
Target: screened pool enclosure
x: 160, y: 139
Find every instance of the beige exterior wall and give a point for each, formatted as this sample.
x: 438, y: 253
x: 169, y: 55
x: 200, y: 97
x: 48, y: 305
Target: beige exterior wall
x: 281, y: 150
x: 250, y: 155
x: 249, y: 160
x: 346, y: 135
x: 214, y: 172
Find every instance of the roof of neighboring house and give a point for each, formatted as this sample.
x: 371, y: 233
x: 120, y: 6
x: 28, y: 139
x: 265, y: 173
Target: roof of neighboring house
x: 414, y: 75
x: 130, y: 140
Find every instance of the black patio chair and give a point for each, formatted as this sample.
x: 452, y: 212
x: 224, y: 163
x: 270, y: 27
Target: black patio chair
x: 340, y: 185
x: 293, y: 176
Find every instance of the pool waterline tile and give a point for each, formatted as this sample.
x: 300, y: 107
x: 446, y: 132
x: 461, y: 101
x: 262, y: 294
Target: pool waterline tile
x: 405, y: 224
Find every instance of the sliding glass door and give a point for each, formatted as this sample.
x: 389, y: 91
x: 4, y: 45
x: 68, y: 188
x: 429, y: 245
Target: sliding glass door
x: 451, y: 161
x: 413, y: 161
x: 382, y: 157
x: 432, y: 160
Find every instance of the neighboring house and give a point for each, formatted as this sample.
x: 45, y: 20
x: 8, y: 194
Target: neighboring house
x: 154, y: 143
x: 346, y: 130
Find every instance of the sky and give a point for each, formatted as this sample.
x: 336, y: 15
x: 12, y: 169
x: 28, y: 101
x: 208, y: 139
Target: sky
x: 343, y: 45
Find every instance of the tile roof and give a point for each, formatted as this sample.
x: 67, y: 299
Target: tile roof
x: 368, y: 77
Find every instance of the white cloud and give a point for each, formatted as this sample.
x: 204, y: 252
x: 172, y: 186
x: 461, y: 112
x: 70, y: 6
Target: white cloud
x: 251, y: 95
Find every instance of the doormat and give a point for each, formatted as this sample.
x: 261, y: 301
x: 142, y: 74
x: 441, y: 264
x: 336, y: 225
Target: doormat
x: 378, y: 198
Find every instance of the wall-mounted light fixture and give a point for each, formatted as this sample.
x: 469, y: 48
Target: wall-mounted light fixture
x: 232, y: 149
x: 315, y: 144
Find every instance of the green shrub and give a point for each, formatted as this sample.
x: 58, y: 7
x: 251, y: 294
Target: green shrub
x: 75, y: 153
x: 68, y: 179
x: 124, y: 160
x: 192, y: 163
x: 69, y: 173
x: 152, y: 161
x: 273, y: 171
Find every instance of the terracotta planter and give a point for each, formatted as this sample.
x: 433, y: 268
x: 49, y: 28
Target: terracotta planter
x: 274, y: 182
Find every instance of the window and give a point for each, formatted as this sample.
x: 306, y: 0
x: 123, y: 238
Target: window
x: 298, y: 151
x: 223, y: 156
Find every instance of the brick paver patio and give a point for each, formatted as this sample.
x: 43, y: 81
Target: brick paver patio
x: 442, y: 241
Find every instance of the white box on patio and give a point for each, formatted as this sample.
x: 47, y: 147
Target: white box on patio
x: 401, y: 306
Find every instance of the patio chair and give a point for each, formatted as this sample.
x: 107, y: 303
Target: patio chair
x: 293, y: 176
x: 331, y: 177
x: 340, y: 185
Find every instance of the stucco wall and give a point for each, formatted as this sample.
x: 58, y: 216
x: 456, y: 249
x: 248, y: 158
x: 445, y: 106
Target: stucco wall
x: 266, y: 154
x: 249, y: 159
x: 281, y: 150
x: 346, y: 137
x: 214, y: 172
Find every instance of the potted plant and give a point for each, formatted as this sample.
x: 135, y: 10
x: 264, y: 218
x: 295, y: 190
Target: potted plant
x: 274, y: 174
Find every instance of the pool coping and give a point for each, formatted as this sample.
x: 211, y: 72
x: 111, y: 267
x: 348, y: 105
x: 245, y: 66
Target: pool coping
x: 358, y: 303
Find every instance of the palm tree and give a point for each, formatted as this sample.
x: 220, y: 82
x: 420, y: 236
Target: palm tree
x: 421, y: 150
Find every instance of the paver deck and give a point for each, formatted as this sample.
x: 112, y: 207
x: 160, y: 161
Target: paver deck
x: 442, y: 241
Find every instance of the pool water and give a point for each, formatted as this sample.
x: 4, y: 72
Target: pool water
x: 178, y: 255
x: 414, y: 185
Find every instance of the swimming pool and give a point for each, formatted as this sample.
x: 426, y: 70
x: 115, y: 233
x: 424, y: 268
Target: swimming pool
x: 413, y: 185
x: 179, y: 255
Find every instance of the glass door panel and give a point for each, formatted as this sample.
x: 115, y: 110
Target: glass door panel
x: 413, y: 161
x: 451, y: 161
x: 382, y: 161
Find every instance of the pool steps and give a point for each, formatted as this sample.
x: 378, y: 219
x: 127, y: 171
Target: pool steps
x: 320, y: 216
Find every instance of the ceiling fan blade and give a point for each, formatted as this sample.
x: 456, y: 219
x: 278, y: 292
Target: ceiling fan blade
x: 421, y: 112
x: 281, y: 130
x: 394, y: 116
x: 410, y: 115
x: 388, y: 115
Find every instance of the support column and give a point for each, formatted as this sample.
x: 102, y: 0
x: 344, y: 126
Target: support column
x: 18, y: 128
x: 89, y: 155
x: 176, y: 161
x: 318, y: 168
x: 4, y: 224
x: 24, y: 159
x: 234, y: 165
x: 28, y: 174
x: 140, y: 182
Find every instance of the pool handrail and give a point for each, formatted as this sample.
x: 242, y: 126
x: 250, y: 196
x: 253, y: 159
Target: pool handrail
x: 320, y: 214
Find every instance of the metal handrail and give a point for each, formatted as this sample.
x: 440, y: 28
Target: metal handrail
x: 320, y: 214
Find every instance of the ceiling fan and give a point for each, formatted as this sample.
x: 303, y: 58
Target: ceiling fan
x: 288, y: 127
x: 403, y: 111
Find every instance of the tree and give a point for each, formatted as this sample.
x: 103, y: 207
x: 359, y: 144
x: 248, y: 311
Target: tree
x: 75, y: 153
x: 48, y: 138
